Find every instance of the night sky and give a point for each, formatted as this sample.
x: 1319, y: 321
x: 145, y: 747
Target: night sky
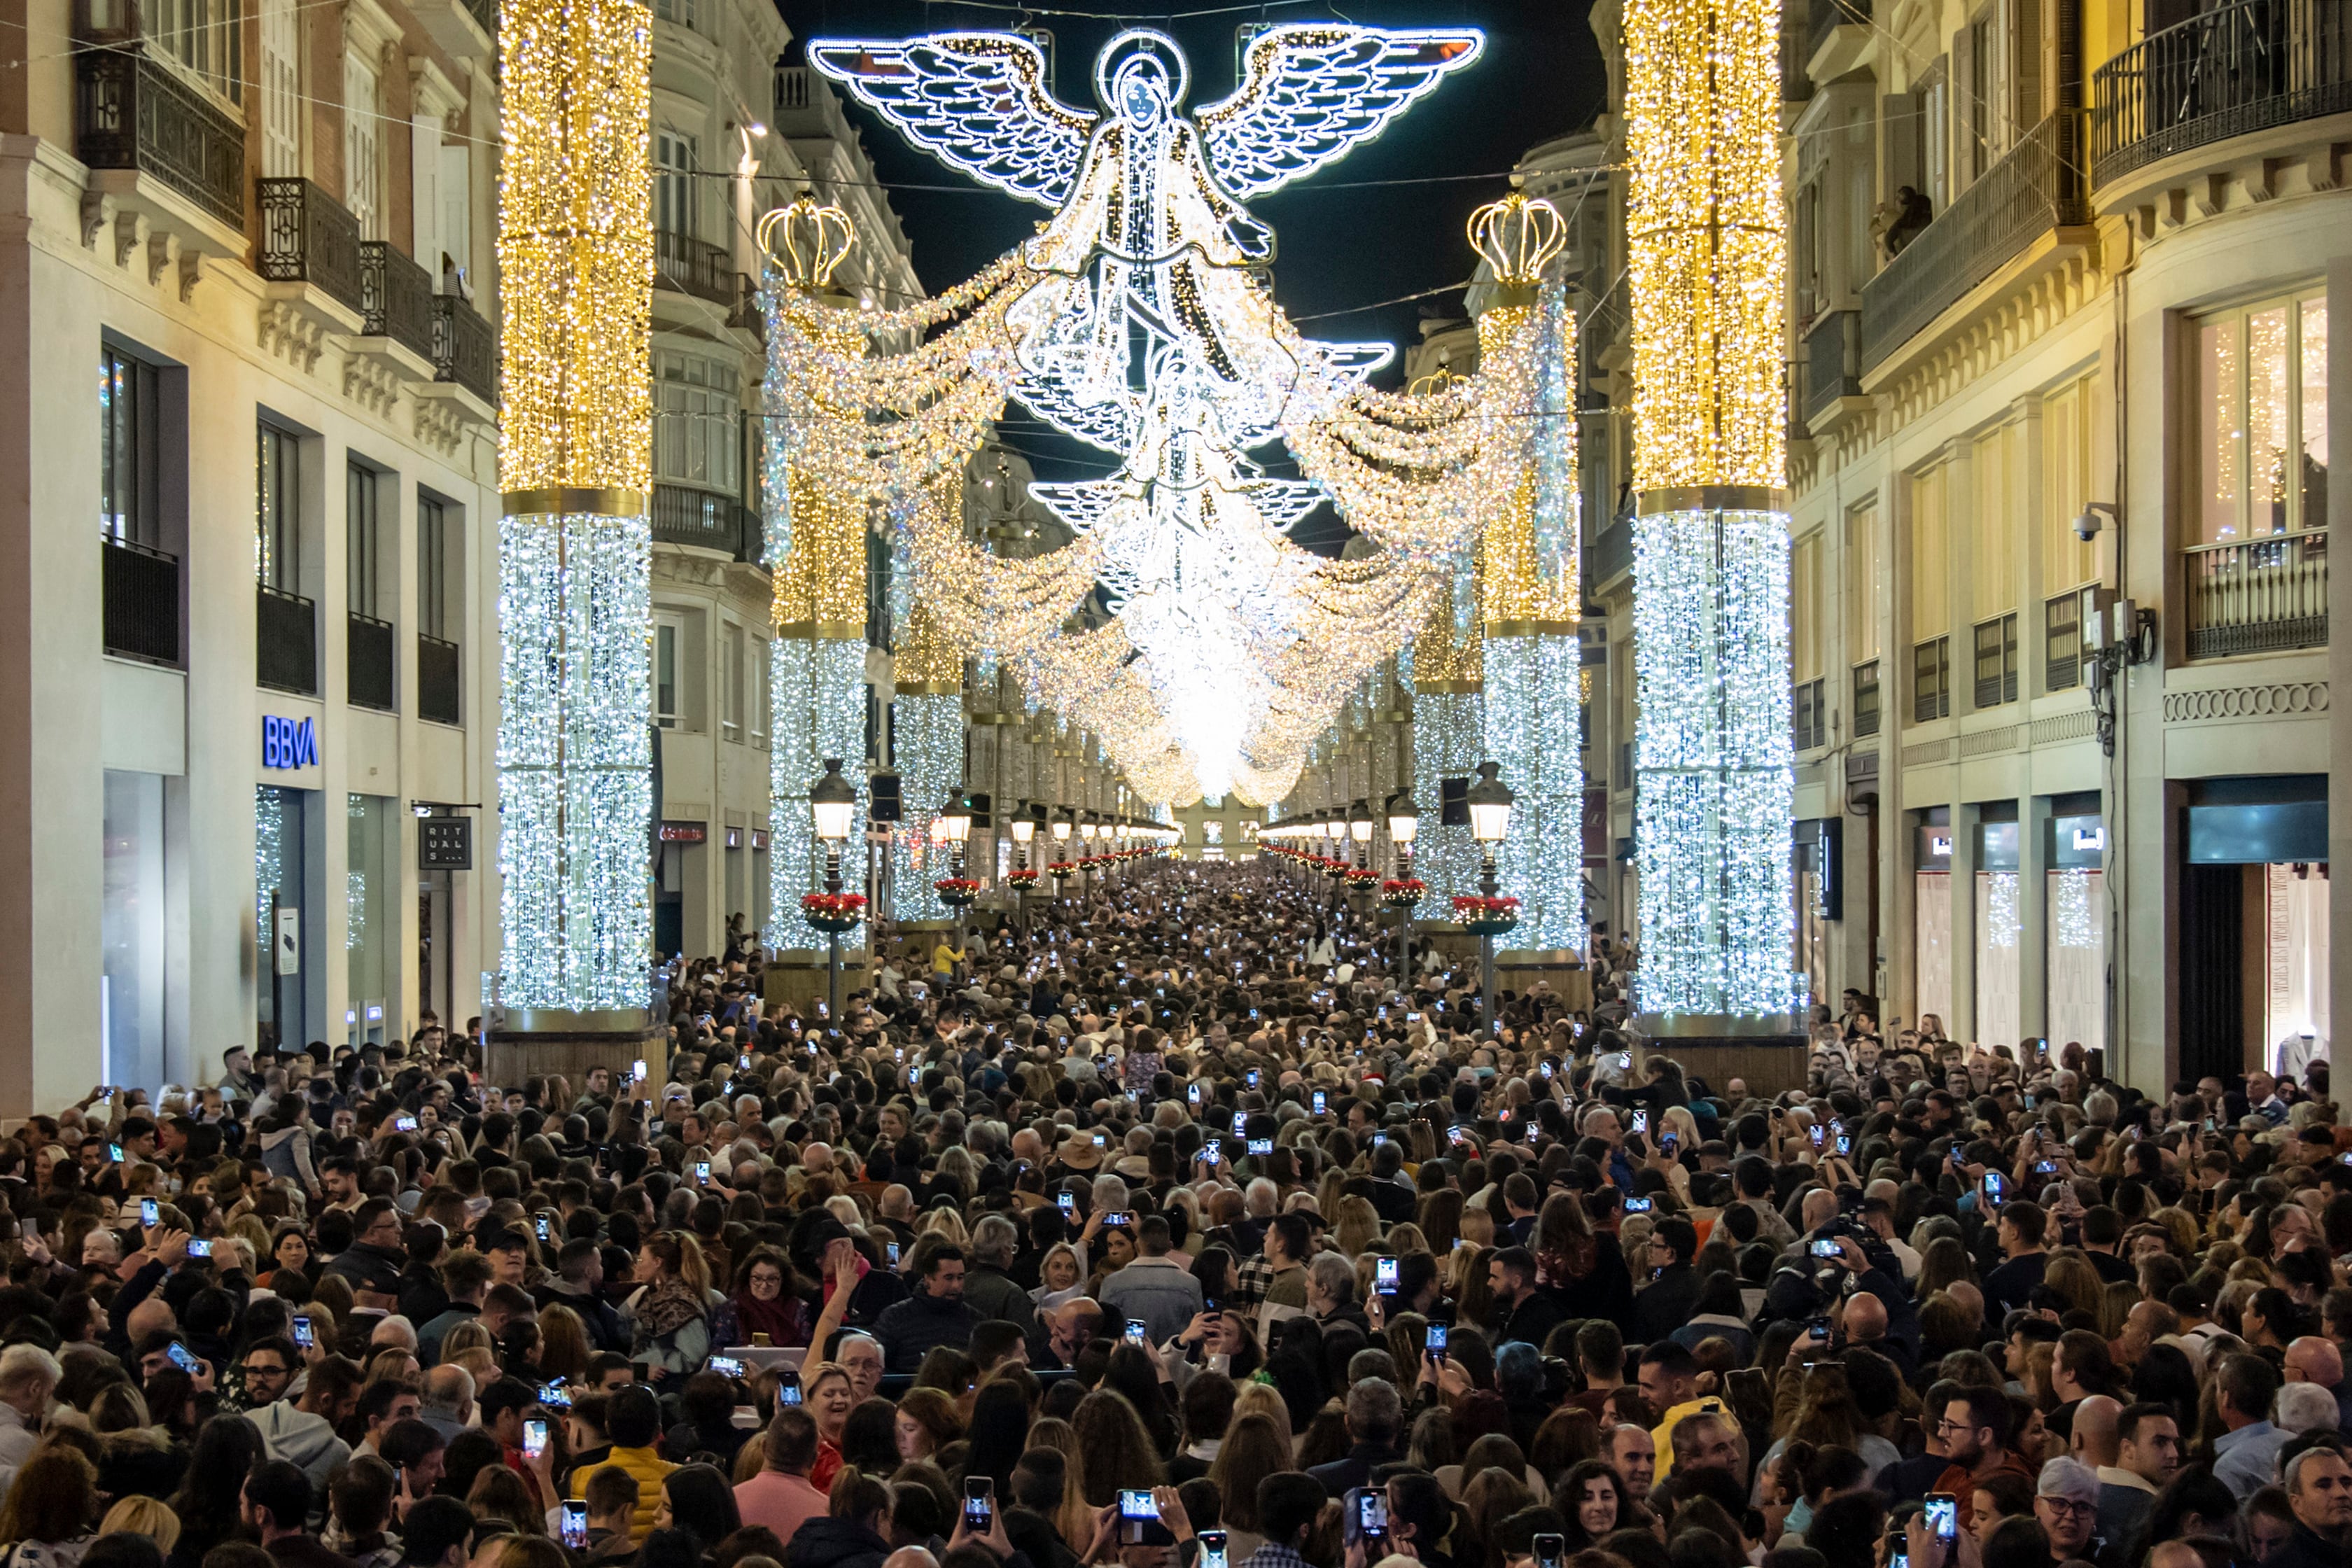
x: 1350, y: 236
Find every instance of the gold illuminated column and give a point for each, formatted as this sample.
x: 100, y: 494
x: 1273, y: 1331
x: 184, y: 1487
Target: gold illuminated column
x: 1707, y: 252
x: 574, y: 750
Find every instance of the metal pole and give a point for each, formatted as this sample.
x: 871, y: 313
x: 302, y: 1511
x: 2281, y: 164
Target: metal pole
x: 833, y: 940
x: 1404, y: 924
x: 1487, y: 886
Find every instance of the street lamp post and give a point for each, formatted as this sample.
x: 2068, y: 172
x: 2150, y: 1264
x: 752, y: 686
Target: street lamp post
x: 1404, y: 821
x: 832, y: 804
x: 955, y: 821
x: 1060, y: 828
x: 1025, y: 828
x: 1360, y: 828
x: 1490, y: 820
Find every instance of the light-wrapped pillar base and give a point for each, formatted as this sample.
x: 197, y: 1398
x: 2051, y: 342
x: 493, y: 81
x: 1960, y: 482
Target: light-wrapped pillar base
x: 1448, y: 737
x: 576, y: 758
x: 1713, y: 762
x: 1535, y: 729
x: 929, y: 752
x: 819, y: 696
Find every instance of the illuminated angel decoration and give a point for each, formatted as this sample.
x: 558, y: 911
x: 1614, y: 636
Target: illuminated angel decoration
x: 1138, y: 321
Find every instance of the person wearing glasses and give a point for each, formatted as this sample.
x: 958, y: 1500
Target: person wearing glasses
x: 2066, y: 1501
x: 1975, y: 1434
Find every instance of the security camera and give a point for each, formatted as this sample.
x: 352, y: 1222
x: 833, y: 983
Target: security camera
x: 2086, y: 521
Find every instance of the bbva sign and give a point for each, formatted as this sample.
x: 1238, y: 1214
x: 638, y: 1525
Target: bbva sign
x: 288, y: 742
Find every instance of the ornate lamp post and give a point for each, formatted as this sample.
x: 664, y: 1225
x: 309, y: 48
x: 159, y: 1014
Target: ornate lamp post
x: 955, y: 824
x: 1060, y: 825
x: 1490, y: 822
x: 831, y: 805
x: 1025, y: 828
x: 1404, y: 821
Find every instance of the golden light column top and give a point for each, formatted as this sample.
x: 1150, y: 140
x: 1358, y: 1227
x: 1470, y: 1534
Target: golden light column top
x: 1706, y: 243
x: 575, y: 245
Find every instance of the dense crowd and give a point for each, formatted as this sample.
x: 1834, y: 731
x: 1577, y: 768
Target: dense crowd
x: 1185, y: 1228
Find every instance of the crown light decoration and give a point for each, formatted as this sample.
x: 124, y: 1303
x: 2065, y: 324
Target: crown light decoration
x: 1708, y: 254
x: 1182, y: 625
x: 575, y: 591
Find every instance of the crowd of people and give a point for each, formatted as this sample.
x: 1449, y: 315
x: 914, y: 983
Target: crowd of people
x: 1178, y: 1225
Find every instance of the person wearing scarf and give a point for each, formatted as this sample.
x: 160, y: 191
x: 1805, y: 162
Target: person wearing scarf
x: 766, y: 1302
x: 668, y: 1318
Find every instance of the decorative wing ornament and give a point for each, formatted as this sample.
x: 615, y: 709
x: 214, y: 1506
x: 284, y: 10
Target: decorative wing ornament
x: 1312, y: 90
x: 976, y: 100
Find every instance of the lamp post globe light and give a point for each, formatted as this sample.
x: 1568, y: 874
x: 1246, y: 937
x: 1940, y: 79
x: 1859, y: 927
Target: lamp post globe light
x: 1405, y: 822
x: 833, y: 806
x: 1025, y: 828
x: 1490, y: 822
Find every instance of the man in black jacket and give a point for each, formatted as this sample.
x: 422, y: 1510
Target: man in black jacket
x: 1375, y: 1420
x: 1522, y: 1310
x: 1672, y: 1297
x: 935, y: 1315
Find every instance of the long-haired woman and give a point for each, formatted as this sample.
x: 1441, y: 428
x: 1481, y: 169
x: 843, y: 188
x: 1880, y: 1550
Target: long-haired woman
x: 669, y: 1315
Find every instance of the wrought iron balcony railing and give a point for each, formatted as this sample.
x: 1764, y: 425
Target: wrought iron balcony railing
x: 308, y: 236
x: 2257, y: 595
x: 2224, y: 72
x: 130, y: 112
x: 2037, y: 186
x: 465, y: 349
x: 142, y: 601
x: 395, y: 298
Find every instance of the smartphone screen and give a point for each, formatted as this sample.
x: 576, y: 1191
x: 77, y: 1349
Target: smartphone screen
x: 1065, y: 1202
x: 894, y: 1255
x: 1943, y: 1512
x: 304, y: 1335
x: 1371, y: 1511
x: 1640, y: 1121
x: 1135, y: 1504
x: 146, y: 1211
x: 1384, y: 1276
x: 702, y: 1169
x: 1213, y: 1548
x: 979, y: 1505
x: 200, y: 1249
x: 1320, y: 1102
x: 1135, y: 1333
x: 555, y: 1393
x: 1436, y: 1344
x: 179, y: 1356
x: 1241, y: 1121
x: 1193, y: 1093
x: 575, y: 1525
x: 534, y: 1437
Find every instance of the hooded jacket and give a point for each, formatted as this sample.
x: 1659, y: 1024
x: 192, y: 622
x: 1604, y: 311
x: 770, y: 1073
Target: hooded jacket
x: 306, y: 1440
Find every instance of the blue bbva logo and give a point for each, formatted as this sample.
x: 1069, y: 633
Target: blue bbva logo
x: 288, y: 742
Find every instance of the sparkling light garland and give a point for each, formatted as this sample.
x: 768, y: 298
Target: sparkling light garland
x: 1233, y: 645
x: 1706, y: 256
x: 575, y: 604
x: 2074, y: 913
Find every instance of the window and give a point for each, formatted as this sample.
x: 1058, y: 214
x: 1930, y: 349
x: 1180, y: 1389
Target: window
x: 1931, y: 680
x: 362, y: 160
x: 1865, y: 700
x: 2062, y: 642
x: 698, y: 423
x: 1809, y: 712
x: 733, y: 677
x: 277, y: 538
x: 129, y: 448
x: 200, y: 38
x: 669, y: 638
x: 281, y: 90
x: 1989, y: 530
x: 2067, y: 416
x: 1808, y: 627
x: 435, y: 537
x: 762, y: 694
x: 673, y: 165
x: 685, y: 12
x: 1931, y: 566
x: 1862, y: 582
x: 362, y: 535
x: 2262, y: 421
x: 1996, y: 661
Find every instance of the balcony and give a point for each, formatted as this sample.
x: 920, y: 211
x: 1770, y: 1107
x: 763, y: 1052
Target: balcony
x: 439, y: 681
x: 465, y: 349
x: 367, y: 663
x: 2258, y: 596
x: 287, y: 657
x: 1827, y: 18
x: 2224, y: 72
x: 308, y: 236
x: 2035, y: 188
x: 707, y: 521
x: 1832, y: 363
x: 131, y: 112
x: 143, y: 601
x: 686, y: 264
x: 396, y: 299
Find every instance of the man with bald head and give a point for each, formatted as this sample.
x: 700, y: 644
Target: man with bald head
x: 2313, y: 1359
x: 2091, y: 1437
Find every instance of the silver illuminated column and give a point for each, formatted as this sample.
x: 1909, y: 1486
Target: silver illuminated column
x: 1706, y: 256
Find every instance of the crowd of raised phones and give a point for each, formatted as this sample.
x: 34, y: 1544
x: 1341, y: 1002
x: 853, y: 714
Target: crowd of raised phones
x: 1184, y: 1229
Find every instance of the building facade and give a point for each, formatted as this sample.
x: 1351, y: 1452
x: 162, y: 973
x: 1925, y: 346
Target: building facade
x: 2061, y: 416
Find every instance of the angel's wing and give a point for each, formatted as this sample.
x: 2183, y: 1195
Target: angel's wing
x: 1312, y: 90
x: 976, y: 100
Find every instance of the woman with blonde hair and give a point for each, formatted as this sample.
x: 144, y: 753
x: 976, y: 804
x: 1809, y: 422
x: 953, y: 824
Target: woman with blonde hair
x: 2070, y: 1274
x: 1356, y: 1227
x: 830, y: 1393
x: 147, y: 1516
x: 1073, y: 1521
x: 469, y: 1335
